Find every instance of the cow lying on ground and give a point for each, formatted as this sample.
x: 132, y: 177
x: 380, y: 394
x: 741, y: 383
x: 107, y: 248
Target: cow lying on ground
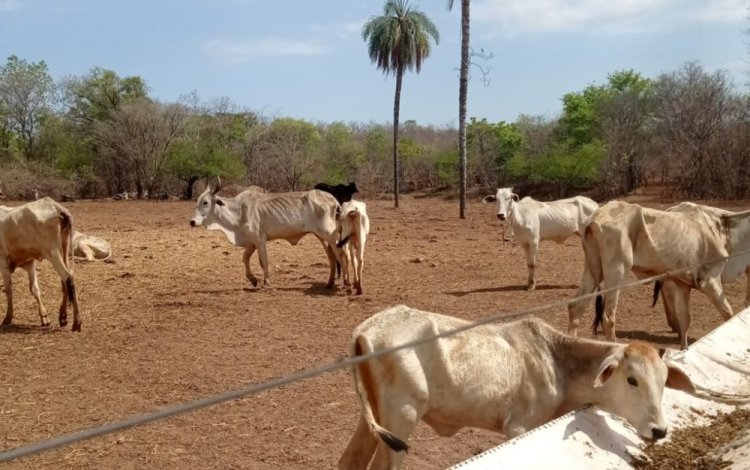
x: 342, y: 192
x: 508, y: 378
x: 90, y: 248
x: 355, y: 226
x: 253, y: 218
x: 677, y: 294
x: 533, y: 221
x: 38, y: 230
x: 624, y: 237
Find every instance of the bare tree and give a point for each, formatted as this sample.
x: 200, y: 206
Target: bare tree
x: 692, y: 110
x: 137, y: 137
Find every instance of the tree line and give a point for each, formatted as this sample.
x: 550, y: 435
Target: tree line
x: 99, y: 134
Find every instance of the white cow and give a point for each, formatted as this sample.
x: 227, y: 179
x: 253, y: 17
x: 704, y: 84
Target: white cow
x: 90, y: 248
x: 355, y: 226
x: 533, y: 221
x: 253, y: 218
x: 508, y: 378
x: 691, y: 247
x: 42, y: 229
x: 676, y: 295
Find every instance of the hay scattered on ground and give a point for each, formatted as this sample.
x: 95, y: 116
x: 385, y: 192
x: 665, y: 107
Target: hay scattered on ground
x: 696, y: 447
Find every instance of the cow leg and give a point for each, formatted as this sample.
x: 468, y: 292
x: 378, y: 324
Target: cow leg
x: 575, y: 309
x: 681, y: 302
x: 88, y: 253
x: 360, y: 449
x: 249, y: 250
x: 531, y: 249
x: 360, y: 265
x: 69, y: 290
x: 263, y: 257
x: 668, y: 296
x: 334, y: 254
x: 401, y: 422
x: 8, y: 283
x: 615, y: 275
x: 34, y: 289
x: 715, y: 293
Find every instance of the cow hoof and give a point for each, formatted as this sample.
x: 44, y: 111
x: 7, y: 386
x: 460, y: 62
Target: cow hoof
x: 359, y: 291
x: 77, y: 327
x: 253, y: 281
x: 7, y: 321
x: 63, y: 322
x: 531, y: 287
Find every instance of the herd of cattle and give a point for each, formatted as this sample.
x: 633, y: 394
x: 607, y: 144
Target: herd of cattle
x: 510, y: 377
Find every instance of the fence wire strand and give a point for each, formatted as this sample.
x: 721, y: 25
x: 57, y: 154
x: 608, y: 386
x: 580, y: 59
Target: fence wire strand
x: 340, y: 363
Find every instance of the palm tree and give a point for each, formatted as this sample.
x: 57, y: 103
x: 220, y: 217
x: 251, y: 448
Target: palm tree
x: 463, y: 84
x: 397, y: 41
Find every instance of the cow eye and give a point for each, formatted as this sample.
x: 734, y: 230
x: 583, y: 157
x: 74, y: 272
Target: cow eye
x: 632, y: 381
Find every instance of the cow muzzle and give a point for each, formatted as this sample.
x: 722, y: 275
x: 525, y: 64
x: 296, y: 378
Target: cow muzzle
x: 501, y: 216
x: 192, y: 223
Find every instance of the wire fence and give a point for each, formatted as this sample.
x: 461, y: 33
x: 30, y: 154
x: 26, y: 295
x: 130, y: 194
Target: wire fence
x: 340, y: 363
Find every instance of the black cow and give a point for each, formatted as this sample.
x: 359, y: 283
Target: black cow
x: 342, y: 192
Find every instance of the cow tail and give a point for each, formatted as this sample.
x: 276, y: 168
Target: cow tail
x: 364, y: 384
x: 657, y: 289
x: 599, y: 313
x: 343, y: 241
x: 66, y: 231
x: 594, y: 265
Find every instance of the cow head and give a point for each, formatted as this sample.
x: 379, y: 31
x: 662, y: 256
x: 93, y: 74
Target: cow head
x: 630, y: 383
x: 352, y: 187
x: 207, y: 203
x: 505, y: 198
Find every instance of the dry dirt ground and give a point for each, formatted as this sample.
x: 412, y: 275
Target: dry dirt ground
x: 173, y: 319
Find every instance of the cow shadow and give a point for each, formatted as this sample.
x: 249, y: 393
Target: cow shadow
x: 313, y: 289
x: 637, y: 335
x: 517, y: 288
x: 18, y: 329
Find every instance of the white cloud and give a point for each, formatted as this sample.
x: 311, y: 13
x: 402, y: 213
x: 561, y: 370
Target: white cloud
x: 9, y: 5
x: 237, y: 51
x: 602, y: 16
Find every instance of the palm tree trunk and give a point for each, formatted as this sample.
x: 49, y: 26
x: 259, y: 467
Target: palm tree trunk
x: 462, y: 93
x: 396, y: 106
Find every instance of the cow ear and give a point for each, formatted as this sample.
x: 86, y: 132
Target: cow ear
x: 606, y: 370
x: 678, y: 380
x: 514, y: 196
x: 219, y: 202
x: 490, y: 198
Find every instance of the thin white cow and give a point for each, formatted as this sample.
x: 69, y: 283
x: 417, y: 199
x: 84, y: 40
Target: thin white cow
x: 253, y: 218
x: 42, y: 229
x: 508, y: 378
x: 690, y: 247
x: 90, y: 248
x: 533, y: 221
x: 676, y: 296
x: 355, y: 226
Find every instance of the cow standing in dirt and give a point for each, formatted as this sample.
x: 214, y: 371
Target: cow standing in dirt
x: 251, y: 219
x: 531, y: 221
x: 355, y: 226
x: 39, y: 230
x: 691, y: 248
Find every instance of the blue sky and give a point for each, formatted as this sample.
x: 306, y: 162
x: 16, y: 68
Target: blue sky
x: 306, y: 59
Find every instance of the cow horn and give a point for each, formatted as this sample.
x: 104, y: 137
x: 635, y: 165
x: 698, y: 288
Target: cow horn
x: 218, y: 185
